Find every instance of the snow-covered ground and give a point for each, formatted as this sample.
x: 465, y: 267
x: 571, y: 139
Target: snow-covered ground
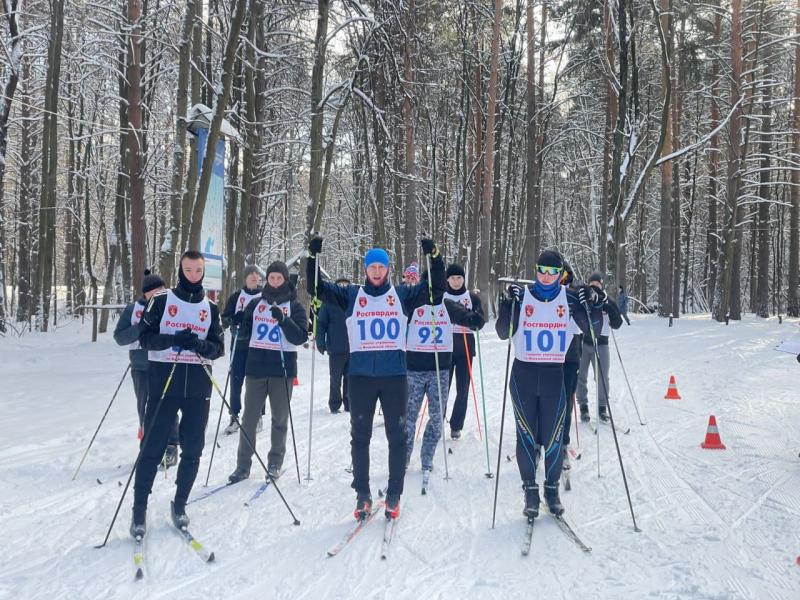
x: 715, y: 524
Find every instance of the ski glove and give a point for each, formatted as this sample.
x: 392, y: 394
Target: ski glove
x: 516, y: 292
x: 602, y: 296
x: 587, y: 295
x: 314, y: 246
x: 277, y: 314
x: 186, y: 339
x: 429, y: 247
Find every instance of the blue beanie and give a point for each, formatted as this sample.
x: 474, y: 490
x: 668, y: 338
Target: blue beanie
x: 376, y: 255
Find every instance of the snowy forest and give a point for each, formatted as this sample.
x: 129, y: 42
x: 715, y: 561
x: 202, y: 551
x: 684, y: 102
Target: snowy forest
x: 655, y: 140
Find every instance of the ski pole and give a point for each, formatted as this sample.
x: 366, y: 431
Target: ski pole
x: 472, y: 385
x: 503, y: 412
x: 250, y: 443
x: 575, y: 414
x: 488, y: 473
x: 436, y: 360
x: 289, y: 402
x: 222, y: 406
x: 86, y: 452
x: 630, y: 389
x: 313, y: 362
x: 143, y: 445
x: 613, y: 428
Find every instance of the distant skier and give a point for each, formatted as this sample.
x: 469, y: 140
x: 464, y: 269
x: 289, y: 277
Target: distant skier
x: 411, y: 274
x: 377, y: 315
x: 605, y: 317
x: 126, y: 333
x: 463, y: 345
x: 231, y: 317
x: 181, y: 329
x: 541, y: 319
x: 332, y: 338
x: 273, y: 326
x: 430, y: 333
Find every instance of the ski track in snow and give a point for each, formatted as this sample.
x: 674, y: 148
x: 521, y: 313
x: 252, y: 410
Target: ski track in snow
x: 715, y: 524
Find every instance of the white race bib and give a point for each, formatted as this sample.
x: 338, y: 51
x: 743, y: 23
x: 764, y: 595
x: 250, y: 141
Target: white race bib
x: 267, y: 333
x: 466, y: 301
x: 543, y: 331
x: 377, y: 323
x: 178, y: 315
x: 136, y: 316
x: 243, y: 300
x: 423, y: 337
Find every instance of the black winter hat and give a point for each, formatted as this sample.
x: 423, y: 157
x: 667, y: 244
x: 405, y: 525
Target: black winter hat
x: 279, y: 267
x: 596, y: 276
x: 250, y: 269
x: 454, y: 269
x: 550, y: 258
x: 151, y: 281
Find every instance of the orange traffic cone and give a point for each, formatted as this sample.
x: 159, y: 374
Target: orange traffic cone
x: 672, y: 390
x: 713, y: 441
x: 296, y: 381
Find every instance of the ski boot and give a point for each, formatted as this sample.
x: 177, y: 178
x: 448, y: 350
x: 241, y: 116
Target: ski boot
x: 238, y: 475
x: 178, y: 513
x: 274, y: 471
x: 603, y: 414
x: 171, y: 456
x: 565, y: 464
x: 139, y: 521
x: 392, y: 507
x: 363, y: 506
x: 233, y: 426
x: 455, y: 434
x: 553, y: 501
x: 532, y: 500
x: 585, y: 413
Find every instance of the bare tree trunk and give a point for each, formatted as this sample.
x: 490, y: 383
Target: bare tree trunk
x: 532, y: 219
x: 761, y: 304
x: 665, y: 233
x: 27, y: 192
x: 485, y: 256
x: 194, y: 151
x: 410, y: 207
x: 793, y: 289
x: 134, y: 142
x: 712, y: 236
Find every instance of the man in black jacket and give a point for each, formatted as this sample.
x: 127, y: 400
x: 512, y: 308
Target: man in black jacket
x: 463, y: 345
x: 332, y: 338
x: 604, y: 316
x: 231, y: 317
x: 272, y: 326
x: 182, y: 331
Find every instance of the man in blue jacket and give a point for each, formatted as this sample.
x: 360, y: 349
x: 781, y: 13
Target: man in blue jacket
x: 332, y: 338
x: 377, y: 318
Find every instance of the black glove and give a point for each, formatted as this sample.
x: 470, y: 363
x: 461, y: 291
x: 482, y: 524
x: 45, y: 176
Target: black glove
x: 237, y: 318
x: 185, y: 339
x: 321, y: 348
x: 516, y: 292
x: 428, y: 246
x: 798, y: 358
x: 277, y: 314
x: 587, y: 295
x: 602, y: 296
x: 315, y: 246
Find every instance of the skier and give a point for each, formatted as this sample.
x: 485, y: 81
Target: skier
x: 605, y: 316
x: 430, y: 333
x: 463, y: 345
x: 332, y: 338
x: 411, y: 274
x: 273, y: 325
x: 377, y: 316
x: 623, y: 304
x: 541, y: 319
x: 231, y: 317
x: 181, y: 329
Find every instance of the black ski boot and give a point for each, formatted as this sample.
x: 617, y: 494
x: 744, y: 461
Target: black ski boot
x: 238, y: 475
x: 392, y: 507
x: 363, y: 506
x: 532, y: 500
x: 585, y: 413
x: 178, y: 514
x: 603, y: 414
x: 553, y: 501
x: 139, y: 521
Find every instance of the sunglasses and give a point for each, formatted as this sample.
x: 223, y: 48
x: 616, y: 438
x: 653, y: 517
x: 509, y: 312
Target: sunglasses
x: 546, y: 270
